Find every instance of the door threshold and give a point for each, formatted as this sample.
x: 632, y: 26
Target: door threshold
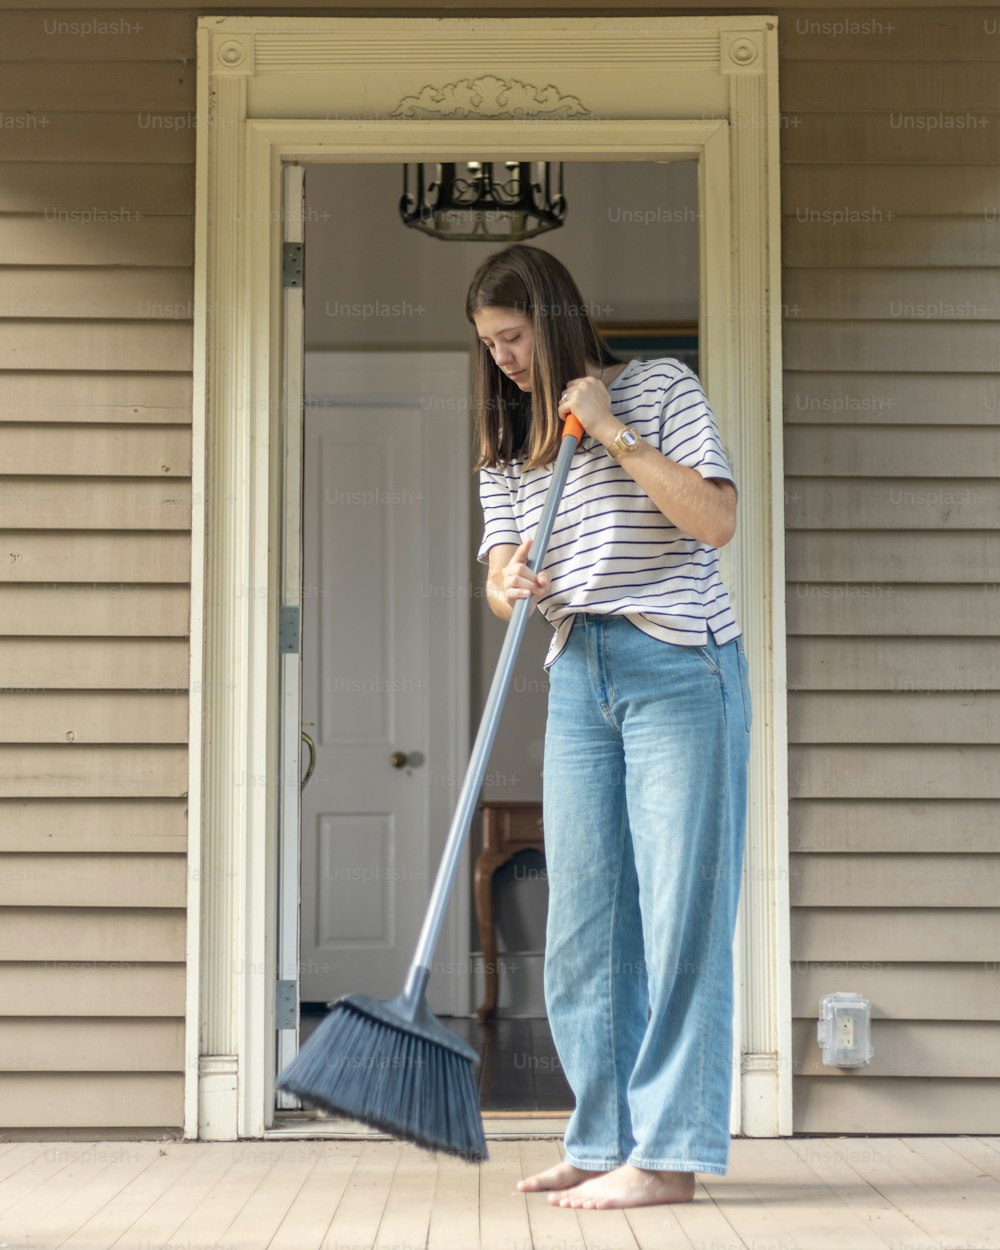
x: 497, y: 1126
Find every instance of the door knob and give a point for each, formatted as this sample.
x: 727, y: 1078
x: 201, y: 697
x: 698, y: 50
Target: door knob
x: 399, y: 759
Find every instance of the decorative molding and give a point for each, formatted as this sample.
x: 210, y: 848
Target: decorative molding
x: 765, y: 886
x: 489, y: 96
x: 233, y: 54
x: 753, y: 1062
x: 225, y: 771
x: 513, y: 40
x: 218, y: 1085
x: 742, y: 52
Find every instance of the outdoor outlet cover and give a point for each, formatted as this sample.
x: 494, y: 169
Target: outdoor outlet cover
x: 844, y: 1030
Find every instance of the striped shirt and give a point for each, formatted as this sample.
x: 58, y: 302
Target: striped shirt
x: 612, y: 550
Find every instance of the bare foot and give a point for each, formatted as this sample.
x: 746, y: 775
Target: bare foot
x: 562, y: 1176
x: 627, y: 1186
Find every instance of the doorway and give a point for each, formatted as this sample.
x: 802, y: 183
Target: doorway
x: 382, y: 315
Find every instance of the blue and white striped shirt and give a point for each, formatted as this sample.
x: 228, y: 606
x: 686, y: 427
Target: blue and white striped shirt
x: 612, y: 550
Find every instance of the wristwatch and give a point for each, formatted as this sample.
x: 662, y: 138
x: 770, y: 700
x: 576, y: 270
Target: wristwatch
x: 624, y: 441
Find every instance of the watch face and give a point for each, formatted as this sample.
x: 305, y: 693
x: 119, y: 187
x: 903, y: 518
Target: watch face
x: 624, y: 441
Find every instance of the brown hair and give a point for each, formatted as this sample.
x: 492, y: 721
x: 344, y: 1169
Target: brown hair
x: 509, y: 422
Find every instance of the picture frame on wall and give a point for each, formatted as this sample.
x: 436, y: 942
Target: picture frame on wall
x: 645, y: 340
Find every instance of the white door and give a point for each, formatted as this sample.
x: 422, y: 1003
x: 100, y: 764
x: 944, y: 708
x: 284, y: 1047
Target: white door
x: 384, y: 690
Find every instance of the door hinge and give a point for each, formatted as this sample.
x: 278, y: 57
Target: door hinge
x: 291, y: 264
x: 285, y: 1005
x: 288, y: 628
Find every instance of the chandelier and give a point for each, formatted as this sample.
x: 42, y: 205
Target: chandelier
x: 469, y: 202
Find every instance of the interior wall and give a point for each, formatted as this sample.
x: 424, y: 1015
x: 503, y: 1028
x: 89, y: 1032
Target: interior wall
x: 630, y: 239
x: 631, y: 242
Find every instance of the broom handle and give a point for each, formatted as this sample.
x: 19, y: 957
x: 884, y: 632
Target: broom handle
x: 420, y: 968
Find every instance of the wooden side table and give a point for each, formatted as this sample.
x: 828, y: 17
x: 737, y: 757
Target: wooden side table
x: 508, y: 827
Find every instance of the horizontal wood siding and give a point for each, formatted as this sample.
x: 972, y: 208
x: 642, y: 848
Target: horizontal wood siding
x: 97, y: 249
x: 98, y: 989
x: 891, y: 298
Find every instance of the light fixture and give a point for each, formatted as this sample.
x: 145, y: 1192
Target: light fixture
x: 464, y: 203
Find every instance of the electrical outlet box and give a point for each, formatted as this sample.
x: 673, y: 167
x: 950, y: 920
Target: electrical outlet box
x: 843, y: 1030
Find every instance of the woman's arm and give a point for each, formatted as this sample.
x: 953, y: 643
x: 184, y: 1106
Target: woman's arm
x: 704, y: 508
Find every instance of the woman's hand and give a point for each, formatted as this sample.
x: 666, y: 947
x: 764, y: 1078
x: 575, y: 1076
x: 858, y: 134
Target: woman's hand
x: 589, y: 400
x: 511, y: 579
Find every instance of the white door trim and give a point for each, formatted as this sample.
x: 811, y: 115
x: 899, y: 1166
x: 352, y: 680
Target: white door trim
x: 290, y: 678
x: 721, y: 110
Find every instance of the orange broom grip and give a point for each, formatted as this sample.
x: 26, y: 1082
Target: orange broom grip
x: 572, y: 427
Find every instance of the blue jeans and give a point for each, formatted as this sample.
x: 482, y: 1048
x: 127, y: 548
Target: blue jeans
x: 644, y: 800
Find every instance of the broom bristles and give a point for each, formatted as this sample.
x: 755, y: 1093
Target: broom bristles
x: 391, y: 1080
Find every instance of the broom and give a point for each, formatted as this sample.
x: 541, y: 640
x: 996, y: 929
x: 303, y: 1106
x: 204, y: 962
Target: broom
x: 392, y: 1065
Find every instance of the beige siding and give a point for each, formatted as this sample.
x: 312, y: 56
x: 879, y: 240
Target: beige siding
x: 95, y: 824
x: 118, y: 1045
x: 129, y: 398
x: 96, y: 241
x: 61, y: 936
x: 941, y: 1048
x: 78, y: 1100
x: 892, y: 446
x: 87, y: 716
x: 108, y: 610
x: 966, y: 1105
x: 909, y: 990
x: 112, y: 989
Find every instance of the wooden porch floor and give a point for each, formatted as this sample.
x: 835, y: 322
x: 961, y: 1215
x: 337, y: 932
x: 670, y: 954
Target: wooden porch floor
x: 874, y: 1193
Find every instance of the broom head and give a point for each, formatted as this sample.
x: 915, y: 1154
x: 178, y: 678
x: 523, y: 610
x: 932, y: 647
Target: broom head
x: 395, y: 1067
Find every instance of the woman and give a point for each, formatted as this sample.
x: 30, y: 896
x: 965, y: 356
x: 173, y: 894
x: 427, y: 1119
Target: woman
x: 646, y: 742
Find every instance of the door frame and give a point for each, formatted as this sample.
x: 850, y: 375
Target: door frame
x: 701, y: 88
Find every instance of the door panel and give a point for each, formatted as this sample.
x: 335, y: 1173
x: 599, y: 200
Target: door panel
x: 365, y: 852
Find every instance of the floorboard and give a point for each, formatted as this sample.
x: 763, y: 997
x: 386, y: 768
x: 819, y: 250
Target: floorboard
x: 113, y: 1170
x: 705, y: 1224
x: 36, y: 1170
x: 407, y: 1215
x: 907, y: 1177
x: 749, y: 1213
x: 157, y: 1224
x: 657, y: 1228
x: 222, y: 1204
x: 979, y: 1151
x: 105, y: 1225
x: 890, y: 1225
x: 359, y: 1212
x: 454, y: 1223
x: 551, y: 1227
x: 805, y: 1205
x: 938, y: 1223
x: 255, y: 1226
x: 311, y: 1211
x: 845, y: 1193
x: 503, y: 1212
x: 17, y: 1154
